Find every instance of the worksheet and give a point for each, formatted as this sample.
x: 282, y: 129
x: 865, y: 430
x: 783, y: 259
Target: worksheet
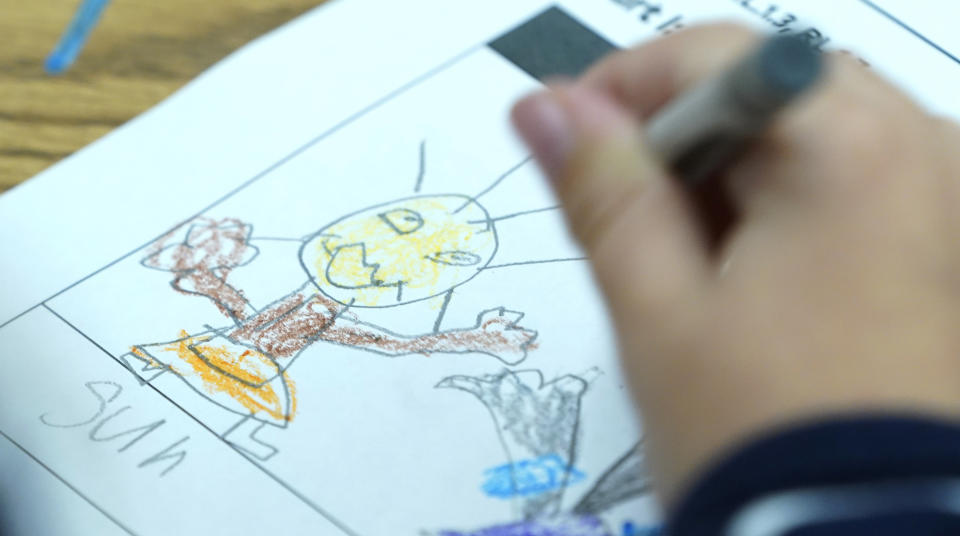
x: 323, y: 289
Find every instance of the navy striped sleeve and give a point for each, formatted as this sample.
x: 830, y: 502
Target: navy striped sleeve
x: 874, y: 475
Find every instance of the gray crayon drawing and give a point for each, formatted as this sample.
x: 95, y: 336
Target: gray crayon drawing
x: 538, y: 423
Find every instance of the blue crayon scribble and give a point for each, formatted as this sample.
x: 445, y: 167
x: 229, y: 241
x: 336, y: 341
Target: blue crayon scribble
x: 530, y: 477
x: 629, y: 529
x: 560, y: 526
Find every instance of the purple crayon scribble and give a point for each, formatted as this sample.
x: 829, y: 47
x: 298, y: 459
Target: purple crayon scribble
x: 557, y: 526
x: 629, y: 529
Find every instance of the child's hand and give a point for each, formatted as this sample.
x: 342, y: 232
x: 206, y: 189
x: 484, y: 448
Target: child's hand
x: 837, y: 290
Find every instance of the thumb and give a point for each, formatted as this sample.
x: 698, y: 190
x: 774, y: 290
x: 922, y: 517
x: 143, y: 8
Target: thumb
x: 622, y: 206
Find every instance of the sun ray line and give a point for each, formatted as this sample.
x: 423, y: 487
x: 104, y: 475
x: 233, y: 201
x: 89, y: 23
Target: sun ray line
x: 515, y: 214
x: 423, y: 161
x: 521, y: 263
x: 495, y: 183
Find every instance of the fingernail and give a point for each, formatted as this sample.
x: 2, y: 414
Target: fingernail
x: 544, y: 126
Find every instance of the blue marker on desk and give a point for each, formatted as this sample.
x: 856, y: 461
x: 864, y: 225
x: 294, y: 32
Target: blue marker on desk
x: 73, y: 39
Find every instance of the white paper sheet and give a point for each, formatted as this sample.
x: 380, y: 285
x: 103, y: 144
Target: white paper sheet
x: 193, y: 335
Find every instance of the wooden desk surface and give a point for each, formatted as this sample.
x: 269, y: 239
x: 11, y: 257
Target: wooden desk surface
x: 141, y: 51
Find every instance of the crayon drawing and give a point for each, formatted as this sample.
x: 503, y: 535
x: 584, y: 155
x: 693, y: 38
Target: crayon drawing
x: 386, y: 255
x: 538, y: 423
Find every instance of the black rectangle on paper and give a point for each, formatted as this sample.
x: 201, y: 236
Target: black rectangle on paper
x: 552, y: 44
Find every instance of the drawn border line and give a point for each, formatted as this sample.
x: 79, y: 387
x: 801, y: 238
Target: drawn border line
x: 899, y: 22
x: 296, y: 493
x: 67, y: 484
x: 332, y: 130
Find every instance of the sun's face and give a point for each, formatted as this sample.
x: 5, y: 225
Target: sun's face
x: 400, y: 252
